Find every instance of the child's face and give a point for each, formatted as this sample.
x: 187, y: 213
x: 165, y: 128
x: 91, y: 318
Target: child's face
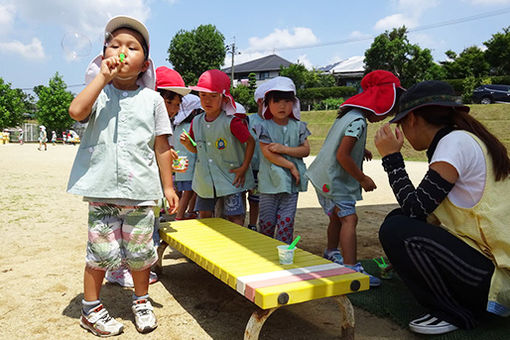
x: 211, y: 102
x: 281, y: 109
x: 173, y: 106
x: 128, y: 42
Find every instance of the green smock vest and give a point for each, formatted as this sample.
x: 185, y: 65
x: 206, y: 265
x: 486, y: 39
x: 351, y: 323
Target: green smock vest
x: 274, y: 179
x: 116, y: 156
x: 218, y: 152
x: 326, y: 174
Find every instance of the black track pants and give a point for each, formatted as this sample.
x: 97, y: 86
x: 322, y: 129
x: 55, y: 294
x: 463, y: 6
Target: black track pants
x: 445, y: 274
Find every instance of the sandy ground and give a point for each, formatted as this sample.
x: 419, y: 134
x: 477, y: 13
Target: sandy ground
x: 43, y: 237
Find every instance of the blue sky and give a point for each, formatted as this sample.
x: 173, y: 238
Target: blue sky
x: 39, y: 38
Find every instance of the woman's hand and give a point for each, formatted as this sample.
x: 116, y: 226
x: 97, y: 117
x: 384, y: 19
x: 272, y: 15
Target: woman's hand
x: 386, y: 142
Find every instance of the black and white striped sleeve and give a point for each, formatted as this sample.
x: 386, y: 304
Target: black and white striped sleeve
x: 419, y: 202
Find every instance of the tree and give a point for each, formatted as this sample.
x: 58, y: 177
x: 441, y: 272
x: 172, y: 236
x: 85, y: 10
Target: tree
x: 12, y: 105
x: 252, y: 82
x: 392, y: 51
x: 194, y: 52
x: 470, y: 62
x: 304, y: 78
x: 244, y: 95
x: 53, y: 104
x: 498, y: 52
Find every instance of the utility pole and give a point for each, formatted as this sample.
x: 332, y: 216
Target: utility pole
x: 232, y: 50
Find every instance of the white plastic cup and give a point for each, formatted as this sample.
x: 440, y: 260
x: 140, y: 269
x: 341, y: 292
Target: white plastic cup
x: 285, y: 255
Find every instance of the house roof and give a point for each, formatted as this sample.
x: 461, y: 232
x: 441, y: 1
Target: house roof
x: 349, y: 65
x: 268, y: 63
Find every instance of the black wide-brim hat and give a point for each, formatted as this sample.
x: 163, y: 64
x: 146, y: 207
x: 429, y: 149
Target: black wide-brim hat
x: 428, y: 93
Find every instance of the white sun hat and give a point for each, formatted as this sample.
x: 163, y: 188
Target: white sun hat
x: 149, y: 76
x: 283, y: 84
x: 189, y: 104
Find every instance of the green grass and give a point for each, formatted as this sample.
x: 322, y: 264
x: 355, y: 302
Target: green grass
x: 496, y: 117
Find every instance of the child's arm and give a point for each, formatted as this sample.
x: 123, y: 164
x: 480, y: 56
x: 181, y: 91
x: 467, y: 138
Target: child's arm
x: 279, y: 160
x: 248, y: 154
x: 343, y: 156
x: 300, y: 151
x: 164, y: 159
x: 81, y: 106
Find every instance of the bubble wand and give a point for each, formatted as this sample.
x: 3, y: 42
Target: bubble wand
x: 190, y: 139
x: 293, y: 244
x: 122, y: 56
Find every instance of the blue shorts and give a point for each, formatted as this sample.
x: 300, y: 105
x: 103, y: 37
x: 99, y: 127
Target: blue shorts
x: 233, y: 205
x: 346, y: 208
x: 183, y: 185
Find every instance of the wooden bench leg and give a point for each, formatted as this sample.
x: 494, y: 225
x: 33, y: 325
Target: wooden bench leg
x: 256, y: 322
x: 158, y: 266
x: 347, y: 320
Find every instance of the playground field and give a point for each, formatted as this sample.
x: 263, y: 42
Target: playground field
x: 43, y: 248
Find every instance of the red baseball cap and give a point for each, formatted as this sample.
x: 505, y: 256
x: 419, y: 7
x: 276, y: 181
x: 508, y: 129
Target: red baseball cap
x: 379, y: 93
x: 171, y: 80
x: 216, y: 81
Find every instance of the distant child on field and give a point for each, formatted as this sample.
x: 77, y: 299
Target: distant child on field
x: 123, y: 166
x: 53, y: 138
x: 224, y: 149
x: 336, y: 173
x: 283, y: 142
x: 20, y: 136
x: 43, y: 138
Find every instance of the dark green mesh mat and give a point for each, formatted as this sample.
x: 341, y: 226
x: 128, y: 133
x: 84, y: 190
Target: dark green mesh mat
x: 392, y: 300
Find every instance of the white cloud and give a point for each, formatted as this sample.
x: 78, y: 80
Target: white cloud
x: 7, y: 13
x: 87, y: 17
x: 359, y: 35
x: 32, y: 51
x: 303, y: 60
x: 283, y: 38
x: 409, y: 14
x: 394, y: 21
x: 490, y: 2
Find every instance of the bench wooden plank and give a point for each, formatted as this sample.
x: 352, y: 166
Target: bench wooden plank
x: 238, y: 256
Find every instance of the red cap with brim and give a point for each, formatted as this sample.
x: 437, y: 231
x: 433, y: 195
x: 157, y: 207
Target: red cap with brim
x: 216, y: 81
x: 379, y: 93
x: 171, y: 80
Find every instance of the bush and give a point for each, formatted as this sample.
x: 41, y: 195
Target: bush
x: 321, y: 93
x: 242, y: 94
x: 468, y: 85
x: 328, y: 104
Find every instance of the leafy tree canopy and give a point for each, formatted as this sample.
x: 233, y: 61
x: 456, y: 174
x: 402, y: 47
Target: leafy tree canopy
x: 12, y: 105
x: 304, y: 78
x: 53, y: 104
x: 498, y: 52
x: 470, y: 62
x: 194, y: 52
x: 392, y: 51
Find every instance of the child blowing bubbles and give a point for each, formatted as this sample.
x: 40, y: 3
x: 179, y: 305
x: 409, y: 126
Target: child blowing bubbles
x: 123, y: 160
x: 222, y: 167
x: 336, y: 172
x: 283, y: 143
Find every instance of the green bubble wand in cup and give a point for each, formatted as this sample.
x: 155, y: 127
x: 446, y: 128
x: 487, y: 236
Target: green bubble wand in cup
x: 293, y: 244
x: 385, y: 269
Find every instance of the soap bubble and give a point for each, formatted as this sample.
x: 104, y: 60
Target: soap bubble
x: 75, y: 45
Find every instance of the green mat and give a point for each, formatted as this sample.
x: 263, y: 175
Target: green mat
x: 392, y: 300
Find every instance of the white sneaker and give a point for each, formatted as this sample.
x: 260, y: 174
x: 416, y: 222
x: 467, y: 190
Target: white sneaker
x: 145, y: 320
x: 428, y: 324
x: 100, y: 323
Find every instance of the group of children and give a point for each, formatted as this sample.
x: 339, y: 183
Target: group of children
x: 124, y: 163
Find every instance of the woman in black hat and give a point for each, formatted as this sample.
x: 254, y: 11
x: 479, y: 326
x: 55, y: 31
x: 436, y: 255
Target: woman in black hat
x: 449, y: 241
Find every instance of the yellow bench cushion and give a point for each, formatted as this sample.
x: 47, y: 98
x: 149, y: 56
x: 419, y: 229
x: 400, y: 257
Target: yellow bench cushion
x: 248, y: 262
